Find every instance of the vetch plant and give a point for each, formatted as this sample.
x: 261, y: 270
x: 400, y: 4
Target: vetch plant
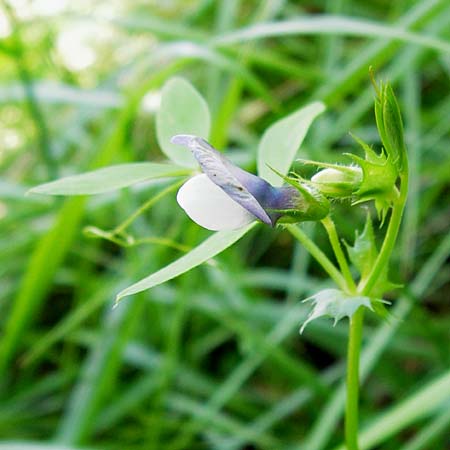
x: 227, y: 197
x: 231, y: 201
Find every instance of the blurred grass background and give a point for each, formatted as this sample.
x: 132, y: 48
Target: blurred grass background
x: 213, y: 359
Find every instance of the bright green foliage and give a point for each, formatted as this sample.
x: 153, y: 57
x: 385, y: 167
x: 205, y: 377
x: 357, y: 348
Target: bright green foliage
x: 390, y: 124
x: 109, y: 179
x: 314, y: 206
x: 281, y: 141
x: 209, y: 248
x: 337, y: 181
x: 378, y: 180
x: 363, y: 254
x: 182, y: 111
x: 335, y: 304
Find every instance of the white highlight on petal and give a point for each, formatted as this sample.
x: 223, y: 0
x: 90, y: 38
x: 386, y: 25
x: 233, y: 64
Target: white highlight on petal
x: 210, y: 207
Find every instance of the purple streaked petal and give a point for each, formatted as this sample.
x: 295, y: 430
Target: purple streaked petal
x: 243, y: 187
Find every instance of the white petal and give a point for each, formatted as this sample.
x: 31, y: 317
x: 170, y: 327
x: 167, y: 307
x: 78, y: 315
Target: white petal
x: 210, y: 207
x: 235, y: 181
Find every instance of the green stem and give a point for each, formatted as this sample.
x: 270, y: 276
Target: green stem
x: 162, y: 241
x: 341, y: 259
x: 352, y: 404
x: 391, y: 236
x: 354, y: 342
x: 319, y: 256
x: 356, y: 322
x: 148, y: 204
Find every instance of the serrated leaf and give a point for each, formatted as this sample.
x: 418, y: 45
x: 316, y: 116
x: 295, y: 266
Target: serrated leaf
x: 280, y: 142
x: 109, y: 178
x: 364, y: 251
x: 335, y: 304
x: 209, y: 248
x: 182, y: 111
x: 363, y: 254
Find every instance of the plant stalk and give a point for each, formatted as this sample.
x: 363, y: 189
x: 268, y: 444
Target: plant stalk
x: 352, y: 404
x: 340, y: 256
x: 389, y: 241
x: 147, y: 205
x: 356, y: 322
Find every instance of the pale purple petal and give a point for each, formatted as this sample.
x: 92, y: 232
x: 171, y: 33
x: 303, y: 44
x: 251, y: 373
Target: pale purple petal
x: 243, y: 187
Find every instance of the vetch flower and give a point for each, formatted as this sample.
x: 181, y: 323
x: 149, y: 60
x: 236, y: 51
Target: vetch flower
x: 226, y: 197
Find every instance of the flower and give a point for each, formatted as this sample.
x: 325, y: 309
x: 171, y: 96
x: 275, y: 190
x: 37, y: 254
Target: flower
x: 226, y: 197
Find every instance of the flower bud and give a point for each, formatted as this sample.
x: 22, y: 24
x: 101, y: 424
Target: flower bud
x: 390, y: 125
x: 339, y: 181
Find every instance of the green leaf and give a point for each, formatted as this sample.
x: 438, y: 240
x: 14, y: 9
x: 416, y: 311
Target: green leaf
x: 109, y: 179
x: 281, y: 141
x: 209, y: 248
x: 336, y: 304
x: 364, y: 252
x: 23, y: 445
x: 363, y: 255
x: 182, y: 111
x: 390, y: 124
x: 329, y: 24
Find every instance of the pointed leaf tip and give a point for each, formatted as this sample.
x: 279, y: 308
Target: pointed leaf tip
x: 280, y: 142
x: 109, y: 178
x: 208, y: 249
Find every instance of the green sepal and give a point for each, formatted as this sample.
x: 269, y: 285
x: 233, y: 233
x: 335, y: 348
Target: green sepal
x: 363, y: 254
x: 378, y: 179
x: 336, y: 304
x: 316, y: 206
x: 380, y: 309
x: 390, y: 124
x: 335, y: 180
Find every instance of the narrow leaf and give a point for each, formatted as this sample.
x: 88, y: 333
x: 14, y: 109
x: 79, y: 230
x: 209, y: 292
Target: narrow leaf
x: 330, y: 24
x: 280, y: 142
x: 24, y: 445
x: 425, y: 401
x: 182, y: 111
x: 109, y: 179
x: 209, y: 248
